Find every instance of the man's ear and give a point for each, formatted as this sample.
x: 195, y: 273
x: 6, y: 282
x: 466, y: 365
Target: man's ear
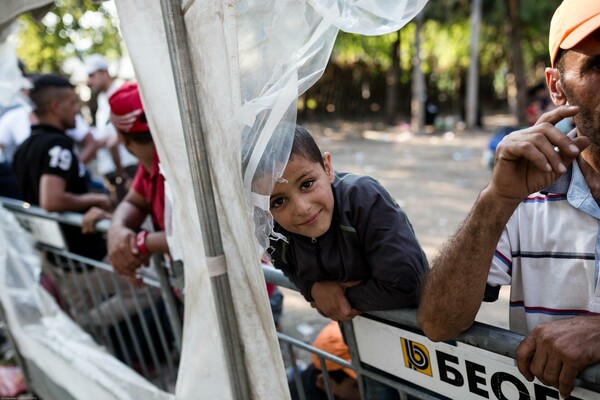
x: 328, y: 166
x: 557, y: 93
x: 54, y: 106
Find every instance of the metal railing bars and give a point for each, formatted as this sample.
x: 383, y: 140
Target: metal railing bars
x: 489, y: 338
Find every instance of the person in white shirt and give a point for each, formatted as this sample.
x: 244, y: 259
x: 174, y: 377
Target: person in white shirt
x: 113, y: 162
x: 15, y: 128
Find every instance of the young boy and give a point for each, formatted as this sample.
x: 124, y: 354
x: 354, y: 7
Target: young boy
x: 348, y: 246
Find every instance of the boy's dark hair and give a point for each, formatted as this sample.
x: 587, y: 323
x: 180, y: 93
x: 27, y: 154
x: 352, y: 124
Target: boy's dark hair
x: 47, y: 88
x: 305, y: 146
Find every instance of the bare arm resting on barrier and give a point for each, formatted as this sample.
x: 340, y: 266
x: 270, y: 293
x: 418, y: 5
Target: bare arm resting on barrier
x: 92, y: 217
x: 526, y: 161
x: 123, y: 250
x: 55, y: 198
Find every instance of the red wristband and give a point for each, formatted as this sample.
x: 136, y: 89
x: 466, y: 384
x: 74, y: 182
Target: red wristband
x: 140, y: 242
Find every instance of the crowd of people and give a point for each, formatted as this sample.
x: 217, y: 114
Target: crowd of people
x: 43, y: 162
x: 341, y: 238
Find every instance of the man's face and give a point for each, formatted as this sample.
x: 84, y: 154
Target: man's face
x: 581, y: 85
x: 302, y: 200
x: 98, y: 81
x: 68, y: 107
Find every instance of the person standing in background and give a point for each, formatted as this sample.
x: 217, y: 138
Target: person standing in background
x: 114, y: 163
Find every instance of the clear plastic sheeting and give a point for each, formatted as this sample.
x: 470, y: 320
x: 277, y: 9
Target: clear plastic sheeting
x: 48, y: 338
x: 368, y: 17
x: 10, y: 75
x: 11, y: 9
x: 283, y: 49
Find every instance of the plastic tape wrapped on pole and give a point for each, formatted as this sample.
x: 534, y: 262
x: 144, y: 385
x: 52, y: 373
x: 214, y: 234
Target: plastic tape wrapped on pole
x: 216, y: 265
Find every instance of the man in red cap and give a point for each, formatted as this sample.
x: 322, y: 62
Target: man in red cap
x: 128, y: 250
x: 535, y: 227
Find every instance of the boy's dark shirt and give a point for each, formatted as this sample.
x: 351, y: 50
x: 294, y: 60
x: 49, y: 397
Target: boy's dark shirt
x: 50, y: 151
x: 370, y: 239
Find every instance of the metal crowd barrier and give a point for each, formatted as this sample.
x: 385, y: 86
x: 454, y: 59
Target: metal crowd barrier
x: 140, y: 326
x: 387, y: 347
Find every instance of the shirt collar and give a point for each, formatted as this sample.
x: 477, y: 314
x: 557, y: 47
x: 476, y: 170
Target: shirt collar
x: 579, y: 190
x: 45, y: 128
x: 561, y: 185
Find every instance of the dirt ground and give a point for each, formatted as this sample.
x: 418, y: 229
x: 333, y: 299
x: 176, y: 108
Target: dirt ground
x: 434, y: 177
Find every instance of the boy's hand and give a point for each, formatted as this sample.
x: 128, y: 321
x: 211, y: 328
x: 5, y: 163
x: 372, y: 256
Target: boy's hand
x: 331, y: 300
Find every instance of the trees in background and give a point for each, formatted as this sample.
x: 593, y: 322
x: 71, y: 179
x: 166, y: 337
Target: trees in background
x: 73, y: 28
x: 362, y: 65
x: 367, y: 76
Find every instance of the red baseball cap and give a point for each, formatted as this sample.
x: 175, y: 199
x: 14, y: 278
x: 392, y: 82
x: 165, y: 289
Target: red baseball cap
x: 126, y: 110
x: 573, y: 21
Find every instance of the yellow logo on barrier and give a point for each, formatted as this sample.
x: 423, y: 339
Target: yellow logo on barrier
x: 416, y: 356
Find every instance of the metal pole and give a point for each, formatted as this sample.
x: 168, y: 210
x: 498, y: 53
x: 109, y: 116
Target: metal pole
x: 201, y: 179
x: 473, y: 77
x: 419, y: 87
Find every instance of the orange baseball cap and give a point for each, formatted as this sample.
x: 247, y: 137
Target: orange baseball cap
x: 572, y: 22
x: 330, y: 340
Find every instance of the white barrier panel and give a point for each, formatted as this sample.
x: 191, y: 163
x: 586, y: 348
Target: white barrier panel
x: 43, y: 230
x: 47, y: 337
x: 458, y: 371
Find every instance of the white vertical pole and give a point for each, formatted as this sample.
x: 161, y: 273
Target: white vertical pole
x: 195, y: 140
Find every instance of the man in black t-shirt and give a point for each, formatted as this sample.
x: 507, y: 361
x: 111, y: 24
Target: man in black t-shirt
x: 48, y: 170
x: 50, y: 174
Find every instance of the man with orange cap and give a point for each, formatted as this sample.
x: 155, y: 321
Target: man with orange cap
x: 128, y: 250
x: 535, y: 227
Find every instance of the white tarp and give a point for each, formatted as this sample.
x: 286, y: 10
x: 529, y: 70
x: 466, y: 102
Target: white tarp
x: 10, y: 75
x: 49, y: 338
x: 251, y: 60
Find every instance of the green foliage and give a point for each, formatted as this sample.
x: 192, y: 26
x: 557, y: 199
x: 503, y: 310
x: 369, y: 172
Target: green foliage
x: 445, y: 44
x: 74, y: 28
x: 371, y: 50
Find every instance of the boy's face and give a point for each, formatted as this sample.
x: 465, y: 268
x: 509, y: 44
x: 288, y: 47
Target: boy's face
x: 302, y: 200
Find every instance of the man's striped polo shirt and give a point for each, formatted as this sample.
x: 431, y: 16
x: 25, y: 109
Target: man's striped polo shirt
x: 548, y: 253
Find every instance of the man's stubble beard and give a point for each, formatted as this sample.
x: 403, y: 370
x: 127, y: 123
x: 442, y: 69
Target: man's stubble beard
x: 587, y: 121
